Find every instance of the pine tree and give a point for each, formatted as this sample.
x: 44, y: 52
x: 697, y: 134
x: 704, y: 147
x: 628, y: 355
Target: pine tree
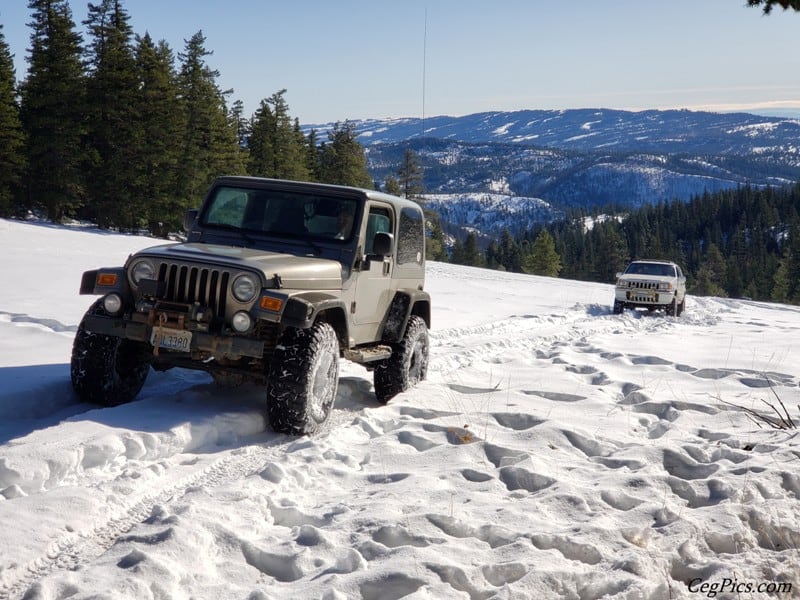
x: 53, y: 111
x: 510, y: 257
x: 12, y: 139
x: 612, y: 253
x: 162, y: 125
x: 543, y: 259
x: 391, y: 186
x: 209, y: 145
x: 781, y: 283
x: 710, y: 277
x: 114, y: 121
x: 342, y: 158
x: 276, y: 145
x: 410, y: 175
x: 313, y: 164
x: 241, y: 123
x: 261, y: 142
x: 435, y: 247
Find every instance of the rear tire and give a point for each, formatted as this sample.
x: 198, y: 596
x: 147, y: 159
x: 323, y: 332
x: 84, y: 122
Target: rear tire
x: 408, y: 364
x: 303, y: 379
x: 681, y: 307
x: 107, y: 370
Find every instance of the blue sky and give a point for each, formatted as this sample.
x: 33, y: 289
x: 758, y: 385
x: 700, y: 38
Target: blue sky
x: 354, y: 59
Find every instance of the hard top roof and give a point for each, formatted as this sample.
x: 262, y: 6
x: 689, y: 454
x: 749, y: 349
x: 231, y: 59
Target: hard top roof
x: 323, y: 188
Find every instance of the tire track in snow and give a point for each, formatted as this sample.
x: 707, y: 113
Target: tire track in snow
x: 74, y: 549
x: 460, y: 347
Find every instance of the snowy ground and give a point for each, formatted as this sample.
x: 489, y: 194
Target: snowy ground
x: 556, y: 451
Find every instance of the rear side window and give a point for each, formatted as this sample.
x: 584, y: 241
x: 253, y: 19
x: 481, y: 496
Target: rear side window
x: 411, y: 245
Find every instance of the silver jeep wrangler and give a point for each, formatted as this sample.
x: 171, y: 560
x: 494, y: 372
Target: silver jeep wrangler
x: 277, y: 280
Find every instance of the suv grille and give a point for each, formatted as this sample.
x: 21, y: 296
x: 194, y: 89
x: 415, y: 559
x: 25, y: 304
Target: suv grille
x: 643, y: 285
x: 188, y: 284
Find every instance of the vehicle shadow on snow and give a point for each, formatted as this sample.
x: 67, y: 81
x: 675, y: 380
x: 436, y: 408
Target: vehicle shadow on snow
x: 35, y: 397
x: 39, y: 396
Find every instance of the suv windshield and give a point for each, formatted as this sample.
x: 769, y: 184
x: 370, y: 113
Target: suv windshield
x: 279, y: 212
x: 659, y: 270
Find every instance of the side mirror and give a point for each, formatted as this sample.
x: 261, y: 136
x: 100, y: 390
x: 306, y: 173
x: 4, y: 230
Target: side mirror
x: 189, y: 218
x: 383, y: 244
x: 619, y: 274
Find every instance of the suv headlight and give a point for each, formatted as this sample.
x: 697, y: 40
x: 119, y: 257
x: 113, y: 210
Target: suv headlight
x: 142, y: 269
x: 665, y: 285
x: 244, y: 288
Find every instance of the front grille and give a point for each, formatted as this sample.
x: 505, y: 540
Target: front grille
x: 188, y: 284
x: 643, y: 285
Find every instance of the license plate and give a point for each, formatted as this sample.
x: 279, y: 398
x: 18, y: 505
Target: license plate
x: 171, y: 339
x: 650, y: 295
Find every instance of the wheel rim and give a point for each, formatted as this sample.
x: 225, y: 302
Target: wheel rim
x: 416, y: 367
x: 323, y: 388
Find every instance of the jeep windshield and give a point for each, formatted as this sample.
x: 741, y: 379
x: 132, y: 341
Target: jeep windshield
x: 299, y: 215
x: 655, y: 269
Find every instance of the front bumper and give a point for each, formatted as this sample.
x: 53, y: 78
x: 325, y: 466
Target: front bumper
x: 217, y: 345
x: 645, y: 298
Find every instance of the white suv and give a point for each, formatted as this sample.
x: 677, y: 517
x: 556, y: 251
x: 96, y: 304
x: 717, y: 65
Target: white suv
x: 651, y: 284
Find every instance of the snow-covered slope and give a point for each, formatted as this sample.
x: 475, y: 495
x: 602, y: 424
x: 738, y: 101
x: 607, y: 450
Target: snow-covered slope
x: 555, y: 451
x: 589, y: 157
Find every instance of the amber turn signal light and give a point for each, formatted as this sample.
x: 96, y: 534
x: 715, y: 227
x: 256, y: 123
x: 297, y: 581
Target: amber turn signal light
x: 273, y: 304
x: 106, y: 279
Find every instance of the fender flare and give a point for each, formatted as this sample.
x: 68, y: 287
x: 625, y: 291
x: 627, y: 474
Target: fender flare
x: 304, y: 309
x: 405, y: 304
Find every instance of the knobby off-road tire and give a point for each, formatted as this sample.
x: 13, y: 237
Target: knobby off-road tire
x: 408, y: 364
x: 107, y: 370
x: 672, y: 308
x: 303, y: 379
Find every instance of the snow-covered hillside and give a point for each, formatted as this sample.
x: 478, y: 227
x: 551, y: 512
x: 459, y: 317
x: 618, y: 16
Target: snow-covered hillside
x: 588, y: 157
x: 491, y: 212
x: 555, y: 451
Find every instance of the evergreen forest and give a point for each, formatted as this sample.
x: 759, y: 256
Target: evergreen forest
x: 739, y: 243
x: 119, y: 130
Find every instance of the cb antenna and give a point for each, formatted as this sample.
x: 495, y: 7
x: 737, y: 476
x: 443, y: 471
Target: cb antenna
x: 424, y: 60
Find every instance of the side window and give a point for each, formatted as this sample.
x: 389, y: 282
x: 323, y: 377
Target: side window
x: 379, y: 219
x: 411, y: 245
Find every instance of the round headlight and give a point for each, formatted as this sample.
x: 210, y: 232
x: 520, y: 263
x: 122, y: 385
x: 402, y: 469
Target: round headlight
x: 244, y: 288
x: 241, y: 322
x: 112, y: 304
x: 142, y: 269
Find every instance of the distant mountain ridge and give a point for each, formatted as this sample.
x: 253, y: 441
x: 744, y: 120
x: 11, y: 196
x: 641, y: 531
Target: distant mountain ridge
x: 585, y: 130
x: 583, y: 157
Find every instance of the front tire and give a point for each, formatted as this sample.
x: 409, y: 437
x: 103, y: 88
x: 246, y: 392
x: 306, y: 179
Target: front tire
x: 408, y: 364
x: 303, y: 379
x: 107, y: 370
x: 618, y: 307
x: 672, y: 308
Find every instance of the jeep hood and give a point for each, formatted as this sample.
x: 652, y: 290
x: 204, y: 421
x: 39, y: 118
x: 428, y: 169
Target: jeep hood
x: 295, y: 272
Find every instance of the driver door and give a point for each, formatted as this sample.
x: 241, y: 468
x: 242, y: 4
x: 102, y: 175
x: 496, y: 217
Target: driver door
x: 373, y: 288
